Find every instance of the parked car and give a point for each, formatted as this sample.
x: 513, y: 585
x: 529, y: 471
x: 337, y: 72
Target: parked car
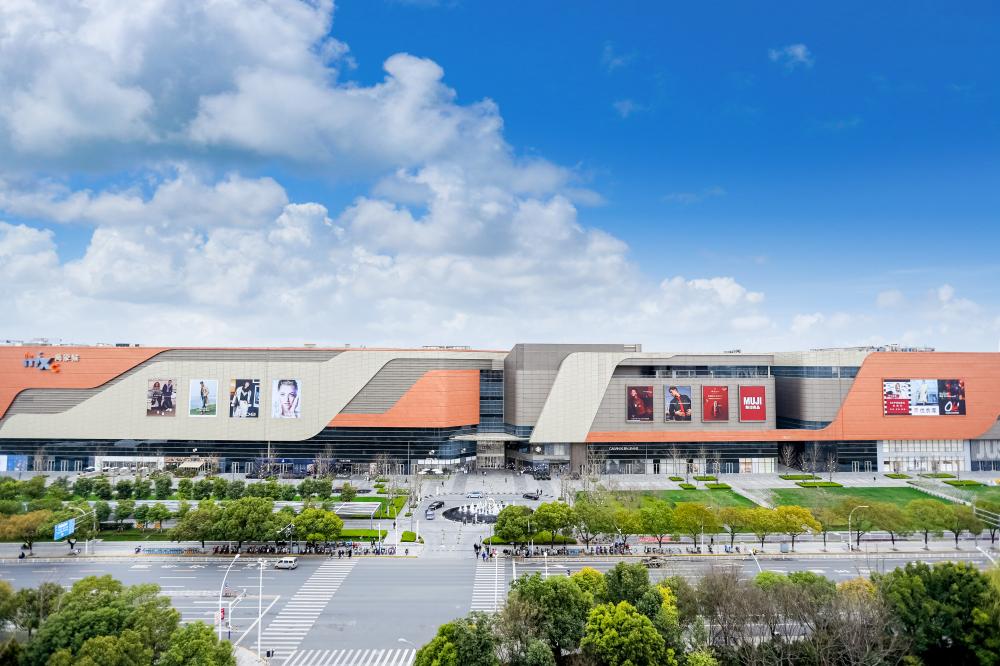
x: 435, y: 505
x: 652, y: 562
x: 428, y: 514
x: 287, y: 563
x: 475, y: 494
x: 542, y: 476
x: 531, y: 496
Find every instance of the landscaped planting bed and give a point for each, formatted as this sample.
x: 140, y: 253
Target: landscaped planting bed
x: 818, y: 484
x: 798, y: 477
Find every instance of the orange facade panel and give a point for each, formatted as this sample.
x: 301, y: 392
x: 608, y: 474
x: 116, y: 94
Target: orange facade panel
x: 861, y: 415
x: 64, y: 367
x: 439, y: 399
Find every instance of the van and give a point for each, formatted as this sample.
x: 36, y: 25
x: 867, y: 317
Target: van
x: 287, y: 563
x: 428, y: 515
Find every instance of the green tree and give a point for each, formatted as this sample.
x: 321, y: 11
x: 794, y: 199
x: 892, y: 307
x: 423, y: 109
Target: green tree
x: 733, y: 520
x: 795, y: 521
x: 163, y: 487
x: 657, y: 519
x: 348, y: 492
x: 701, y: 658
x: 102, y: 510
x: 317, y: 525
x: 102, y: 488
x: 8, y: 605
x: 202, y: 489
x: 196, y: 644
x: 33, y: 488
x: 104, y: 607
x: 590, y: 520
x: 626, y: 582
x: 158, y: 513
x: 992, y: 527
x: 220, y: 488
x: 619, y: 635
x: 143, y: 489
x: 31, y: 606
x: 762, y: 522
x: 513, y: 523
x: 84, y: 487
x: 947, y: 611
x: 27, y: 527
x: 693, y: 518
x: 891, y: 518
x: 559, y: 608
x: 198, y: 524
x: 928, y: 517
x: 829, y: 519
x: 246, y: 519
x: 141, y: 514
x: 554, y: 517
x: 591, y: 581
x: 126, y: 649
x: 59, y: 489
x: 124, y: 489
x: 626, y: 522
x: 465, y: 642
x: 960, y: 519
x: 236, y: 490
x: 185, y: 489
x: 123, y: 511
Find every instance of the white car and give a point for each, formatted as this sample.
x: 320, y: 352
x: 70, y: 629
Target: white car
x: 287, y: 563
x: 475, y: 494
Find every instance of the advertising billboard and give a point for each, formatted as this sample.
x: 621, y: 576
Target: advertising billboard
x: 677, y: 403
x: 63, y: 529
x: 160, y: 396
x: 203, y: 397
x: 923, y: 397
x: 286, y: 398
x: 639, y: 403
x: 753, y: 403
x: 714, y: 403
x: 244, y: 398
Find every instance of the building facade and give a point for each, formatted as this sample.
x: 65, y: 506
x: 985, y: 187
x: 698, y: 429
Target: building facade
x: 613, y: 408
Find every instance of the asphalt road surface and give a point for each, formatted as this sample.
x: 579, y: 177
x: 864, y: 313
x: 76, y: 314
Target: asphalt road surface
x: 374, y: 611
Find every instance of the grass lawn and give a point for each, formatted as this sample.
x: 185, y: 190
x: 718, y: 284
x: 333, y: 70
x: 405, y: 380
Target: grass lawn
x: 983, y: 493
x: 716, y: 498
x: 813, y: 498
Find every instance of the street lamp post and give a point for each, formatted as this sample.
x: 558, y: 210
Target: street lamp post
x: 260, y: 602
x: 222, y: 589
x: 849, y: 516
x: 84, y: 514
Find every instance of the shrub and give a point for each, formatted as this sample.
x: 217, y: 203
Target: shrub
x: 896, y: 475
x: 687, y: 486
x: 408, y: 536
x: 960, y: 483
x: 818, y: 484
x: 798, y: 477
x: 540, y: 538
x: 937, y: 475
x: 706, y: 477
x: 717, y: 486
x: 676, y: 478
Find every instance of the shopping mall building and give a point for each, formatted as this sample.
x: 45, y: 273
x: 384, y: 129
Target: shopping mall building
x: 609, y: 407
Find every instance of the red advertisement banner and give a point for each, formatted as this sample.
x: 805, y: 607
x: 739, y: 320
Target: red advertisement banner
x: 753, y: 403
x: 714, y: 403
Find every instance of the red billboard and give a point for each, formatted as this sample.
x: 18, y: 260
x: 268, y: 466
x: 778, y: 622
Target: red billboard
x: 714, y: 403
x: 753, y: 403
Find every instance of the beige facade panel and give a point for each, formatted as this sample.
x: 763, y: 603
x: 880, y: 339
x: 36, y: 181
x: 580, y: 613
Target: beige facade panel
x: 118, y: 409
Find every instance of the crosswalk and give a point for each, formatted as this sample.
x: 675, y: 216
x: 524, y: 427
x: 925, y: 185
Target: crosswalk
x: 397, y: 657
x: 489, y: 591
x: 296, y: 618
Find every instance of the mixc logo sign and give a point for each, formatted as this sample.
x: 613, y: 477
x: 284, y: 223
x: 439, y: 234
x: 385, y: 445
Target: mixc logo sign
x: 45, y: 363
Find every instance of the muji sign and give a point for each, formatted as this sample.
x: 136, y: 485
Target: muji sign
x: 753, y: 403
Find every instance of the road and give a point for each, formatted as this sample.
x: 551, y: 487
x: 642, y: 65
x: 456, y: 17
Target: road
x: 340, y: 612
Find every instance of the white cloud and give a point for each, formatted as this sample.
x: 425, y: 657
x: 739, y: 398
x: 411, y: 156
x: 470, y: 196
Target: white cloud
x: 890, y: 298
x: 627, y: 107
x: 802, y: 323
x: 792, y: 56
x: 612, y: 60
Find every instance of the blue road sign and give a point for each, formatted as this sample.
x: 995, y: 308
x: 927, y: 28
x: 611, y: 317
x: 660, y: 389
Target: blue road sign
x: 64, y: 529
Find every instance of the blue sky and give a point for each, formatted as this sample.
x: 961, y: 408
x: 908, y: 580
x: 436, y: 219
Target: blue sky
x: 769, y: 175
